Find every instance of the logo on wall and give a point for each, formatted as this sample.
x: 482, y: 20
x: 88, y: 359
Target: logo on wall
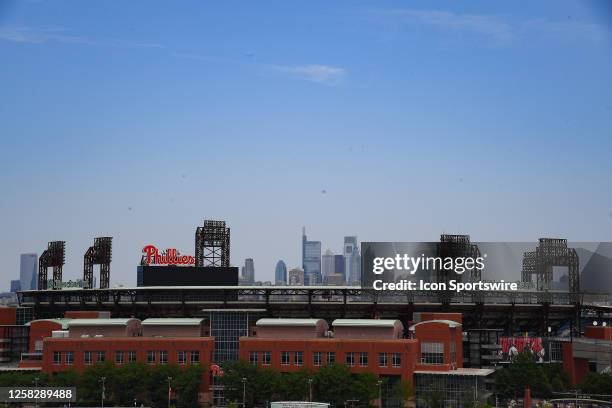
x: 152, y: 256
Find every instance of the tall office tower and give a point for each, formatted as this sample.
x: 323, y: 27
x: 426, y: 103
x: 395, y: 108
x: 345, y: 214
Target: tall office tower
x: 339, y: 266
x: 28, y: 271
x: 311, y: 259
x: 248, y: 272
x: 280, y: 273
x: 327, y: 263
x: 352, y: 261
x: 15, y: 285
x: 296, y: 277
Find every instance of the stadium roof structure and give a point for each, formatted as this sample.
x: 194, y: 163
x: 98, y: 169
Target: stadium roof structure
x: 287, y: 322
x: 450, y: 323
x: 100, y: 322
x: 168, y: 321
x: 365, y: 322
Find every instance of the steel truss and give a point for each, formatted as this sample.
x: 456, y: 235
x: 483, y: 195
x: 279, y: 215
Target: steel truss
x: 549, y: 253
x: 212, y: 244
x: 100, y: 253
x: 52, y: 257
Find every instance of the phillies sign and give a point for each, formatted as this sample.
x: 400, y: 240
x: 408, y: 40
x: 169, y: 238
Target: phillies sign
x: 170, y: 256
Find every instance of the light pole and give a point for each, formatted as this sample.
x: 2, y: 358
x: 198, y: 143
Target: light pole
x: 310, y: 390
x: 244, y: 380
x: 103, y: 380
x: 379, y: 382
x: 169, y: 391
x: 549, y: 347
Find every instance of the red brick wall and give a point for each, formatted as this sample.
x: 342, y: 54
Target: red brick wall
x: 601, y: 333
x: 406, y: 347
x: 577, y: 368
x: 205, y: 345
x: 442, y: 333
x: 172, y: 331
x: 356, y: 332
x: 8, y: 316
x: 292, y: 332
x: 39, y: 329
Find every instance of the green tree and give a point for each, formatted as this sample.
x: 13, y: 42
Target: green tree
x: 543, y: 379
x: 188, y: 382
x: 137, y: 376
x: 404, y: 391
x: 90, y: 384
x: 596, y: 383
x: 333, y: 384
x: 157, y: 384
x: 366, y: 387
x: 234, y: 372
x: 294, y: 386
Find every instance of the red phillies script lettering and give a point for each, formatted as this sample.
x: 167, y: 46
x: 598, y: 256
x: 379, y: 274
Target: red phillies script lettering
x: 169, y: 257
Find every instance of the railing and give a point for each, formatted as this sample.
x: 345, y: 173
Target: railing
x: 299, y: 294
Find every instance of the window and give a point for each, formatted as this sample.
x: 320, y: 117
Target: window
x: 397, y: 360
x: 299, y: 358
x: 253, y: 357
x: 266, y: 358
x: 317, y: 357
x: 70, y: 357
x: 363, y: 359
x: 163, y: 357
x: 195, y: 357
x: 285, y: 358
x: 101, y: 356
x: 331, y: 357
x: 87, y: 357
x: 432, y: 353
x: 57, y: 357
x: 382, y: 359
x: 182, y: 357
x: 350, y: 359
x: 151, y: 357
x: 119, y: 357
x: 131, y: 356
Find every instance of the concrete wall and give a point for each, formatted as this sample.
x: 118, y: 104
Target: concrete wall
x: 172, y: 331
x: 360, y: 332
x: 132, y: 328
x: 292, y: 332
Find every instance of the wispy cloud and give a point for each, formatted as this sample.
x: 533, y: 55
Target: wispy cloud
x: 38, y: 36
x: 499, y: 30
x: 480, y: 24
x: 322, y: 74
x: 318, y: 73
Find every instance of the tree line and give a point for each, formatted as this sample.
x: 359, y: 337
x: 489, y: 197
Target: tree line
x: 131, y: 384
x: 331, y: 383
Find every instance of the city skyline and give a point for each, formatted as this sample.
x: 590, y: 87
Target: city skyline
x: 395, y: 122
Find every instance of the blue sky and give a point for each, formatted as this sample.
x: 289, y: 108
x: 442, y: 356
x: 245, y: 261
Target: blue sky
x: 394, y: 121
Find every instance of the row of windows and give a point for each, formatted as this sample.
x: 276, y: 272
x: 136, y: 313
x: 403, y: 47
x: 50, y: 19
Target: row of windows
x: 317, y: 358
x: 432, y: 352
x: 127, y: 356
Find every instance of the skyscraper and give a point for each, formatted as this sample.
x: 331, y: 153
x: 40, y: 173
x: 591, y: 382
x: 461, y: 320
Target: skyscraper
x: 28, y: 271
x: 248, y: 272
x: 311, y: 259
x: 280, y: 273
x: 327, y: 263
x: 352, y: 261
x: 339, y: 266
x: 15, y: 285
x: 296, y: 277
